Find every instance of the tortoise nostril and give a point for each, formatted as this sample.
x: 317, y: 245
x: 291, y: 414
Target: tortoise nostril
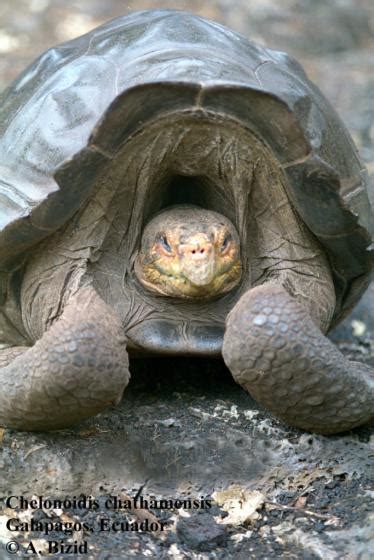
x: 197, y: 251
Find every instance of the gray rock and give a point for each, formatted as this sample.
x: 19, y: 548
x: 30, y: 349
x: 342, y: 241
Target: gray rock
x: 201, y: 532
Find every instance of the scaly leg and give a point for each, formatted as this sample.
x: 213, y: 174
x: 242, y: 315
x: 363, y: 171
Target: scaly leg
x: 276, y: 352
x: 78, y: 368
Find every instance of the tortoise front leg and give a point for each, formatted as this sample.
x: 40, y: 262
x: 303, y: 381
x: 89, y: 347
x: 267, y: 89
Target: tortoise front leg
x: 276, y: 352
x: 78, y: 368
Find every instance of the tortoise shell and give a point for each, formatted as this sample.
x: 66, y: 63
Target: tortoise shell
x: 71, y: 111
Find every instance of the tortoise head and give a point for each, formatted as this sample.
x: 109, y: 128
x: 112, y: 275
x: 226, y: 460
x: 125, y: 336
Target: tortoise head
x: 189, y: 252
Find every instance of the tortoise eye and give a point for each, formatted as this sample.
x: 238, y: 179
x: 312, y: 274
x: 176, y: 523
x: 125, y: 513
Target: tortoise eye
x: 226, y: 242
x: 164, y: 242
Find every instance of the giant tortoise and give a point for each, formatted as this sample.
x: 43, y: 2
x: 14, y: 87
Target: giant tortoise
x: 169, y: 187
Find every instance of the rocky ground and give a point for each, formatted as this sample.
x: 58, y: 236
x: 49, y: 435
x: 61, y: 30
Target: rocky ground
x: 184, y: 429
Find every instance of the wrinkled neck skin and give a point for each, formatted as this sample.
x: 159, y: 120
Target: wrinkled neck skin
x: 99, y: 246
